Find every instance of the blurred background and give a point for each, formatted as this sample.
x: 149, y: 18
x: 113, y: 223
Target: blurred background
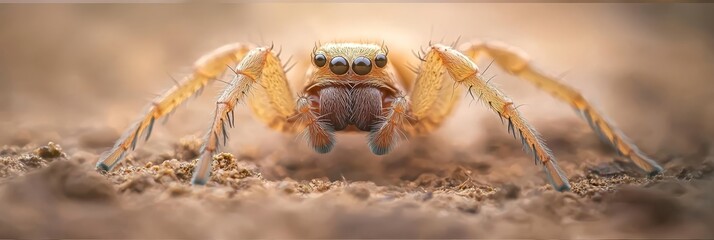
x: 74, y: 71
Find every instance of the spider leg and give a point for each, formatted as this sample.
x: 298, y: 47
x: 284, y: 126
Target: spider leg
x: 206, y: 69
x: 271, y: 101
x: 517, y: 63
x: 463, y: 71
x: 260, y: 70
x: 433, y: 97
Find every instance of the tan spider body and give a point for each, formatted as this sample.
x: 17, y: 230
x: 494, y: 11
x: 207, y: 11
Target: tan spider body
x: 354, y: 87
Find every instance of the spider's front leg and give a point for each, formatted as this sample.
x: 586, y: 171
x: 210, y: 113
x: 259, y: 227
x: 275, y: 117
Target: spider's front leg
x: 206, y: 69
x: 516, y: 62
x: 261, y: 79
x: 428, y: 92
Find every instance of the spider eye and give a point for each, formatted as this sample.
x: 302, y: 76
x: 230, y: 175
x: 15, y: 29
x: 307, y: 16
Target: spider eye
x: 380, y: 60
x: 320, y: 60
x: 339, y: 66
x: 361, y: 65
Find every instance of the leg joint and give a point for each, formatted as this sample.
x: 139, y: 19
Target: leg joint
x: 508, y: 109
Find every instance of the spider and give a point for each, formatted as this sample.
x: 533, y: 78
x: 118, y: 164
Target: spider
x: 357, y: 87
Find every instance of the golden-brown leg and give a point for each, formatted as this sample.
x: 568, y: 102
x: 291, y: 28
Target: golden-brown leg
x: 516, y: 62
x: 206, y: 69
x: 271, y: 101
x: 433, y: 97
x: 465, y: 72
x: 259, y: 69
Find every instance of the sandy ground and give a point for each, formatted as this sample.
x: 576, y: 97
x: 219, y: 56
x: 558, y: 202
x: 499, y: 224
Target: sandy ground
x: 73, y: 77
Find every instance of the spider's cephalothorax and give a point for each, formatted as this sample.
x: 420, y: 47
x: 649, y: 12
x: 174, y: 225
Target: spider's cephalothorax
x: 359, y: 87
x: 350, y: 88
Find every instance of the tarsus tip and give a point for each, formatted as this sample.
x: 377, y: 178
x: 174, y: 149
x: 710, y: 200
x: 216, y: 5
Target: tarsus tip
x: 198, y: 181
x: 563, y: 188
x: 657, y: 169
x: 556, y: 177
x: 103, y: 166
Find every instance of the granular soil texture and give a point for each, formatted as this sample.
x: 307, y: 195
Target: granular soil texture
x: 46, y: 194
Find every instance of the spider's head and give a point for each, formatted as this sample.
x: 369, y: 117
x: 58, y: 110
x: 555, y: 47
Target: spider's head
x: 350, y: 61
